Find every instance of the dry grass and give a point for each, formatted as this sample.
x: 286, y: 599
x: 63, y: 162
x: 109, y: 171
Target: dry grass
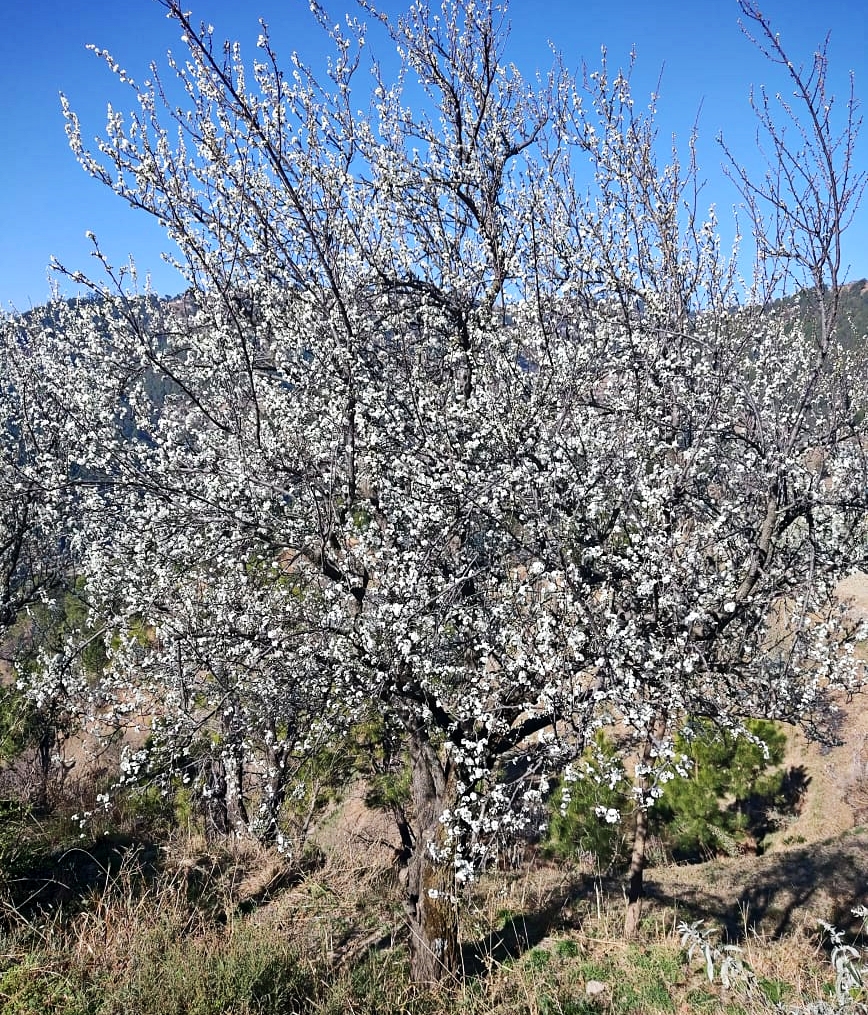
x: 240, y: 930
x: 189, y: 927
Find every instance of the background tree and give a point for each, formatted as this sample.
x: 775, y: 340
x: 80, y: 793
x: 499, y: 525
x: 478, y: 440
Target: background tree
x: 36, y: 502
x: 723, y: 807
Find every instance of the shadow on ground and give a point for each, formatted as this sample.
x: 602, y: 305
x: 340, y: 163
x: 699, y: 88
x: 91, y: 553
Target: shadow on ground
x: 518, y: 934
x: 40, y: 879
x: 773, y: 894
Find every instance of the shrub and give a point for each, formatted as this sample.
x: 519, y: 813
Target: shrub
x: 582, y: 807
x: 724, y: 804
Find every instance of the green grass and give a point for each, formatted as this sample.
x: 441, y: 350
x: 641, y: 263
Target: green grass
x: 242, y: 969
x: 36, y: 983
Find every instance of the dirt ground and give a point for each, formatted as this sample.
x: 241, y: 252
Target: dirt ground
x: 782, y: 892
x: 855, y: 589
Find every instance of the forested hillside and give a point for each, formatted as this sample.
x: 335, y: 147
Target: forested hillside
x: 853, y: 321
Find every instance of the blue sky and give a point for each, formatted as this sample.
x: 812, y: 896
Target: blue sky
x: 47, y: 203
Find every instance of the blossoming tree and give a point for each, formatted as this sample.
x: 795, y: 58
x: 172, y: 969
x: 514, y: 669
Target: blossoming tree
x: 438, y: 438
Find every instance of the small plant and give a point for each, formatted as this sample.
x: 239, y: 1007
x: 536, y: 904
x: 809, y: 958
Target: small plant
x: 538, y: 959
x: 776, y: 991
x: 726, y: 964
x: 567, y: 948
x: 848, y: 964
x: 722, y: 961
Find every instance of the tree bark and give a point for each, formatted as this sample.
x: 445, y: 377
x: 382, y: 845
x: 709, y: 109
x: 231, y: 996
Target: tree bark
x: 273, y: 794
x: 431, y: 903
x: 635, y: 883
x: 636, y: 872
x: 236, y: 808
x: 217, y: 823
x: 223, y: 799
x: 45, y: 748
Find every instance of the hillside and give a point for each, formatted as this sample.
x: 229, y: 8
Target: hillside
x: 853, y: 317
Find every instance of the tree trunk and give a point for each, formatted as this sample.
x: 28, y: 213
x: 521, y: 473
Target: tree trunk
x: 431, y: 902
x: 635, y: 887
x: 236, y: 809
x: 635, y: 882
x: 45, y: 749
x: 273, y: 794
x: 217, y: 822
x: 223, y: 798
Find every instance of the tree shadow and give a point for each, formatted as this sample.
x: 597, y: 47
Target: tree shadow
x: 794, y: 788
x: 38, y: 880
x: 774, y: 894
x: 771, y: 811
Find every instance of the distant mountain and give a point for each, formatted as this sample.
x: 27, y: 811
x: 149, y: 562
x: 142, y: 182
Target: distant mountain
x: 852, y: 320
